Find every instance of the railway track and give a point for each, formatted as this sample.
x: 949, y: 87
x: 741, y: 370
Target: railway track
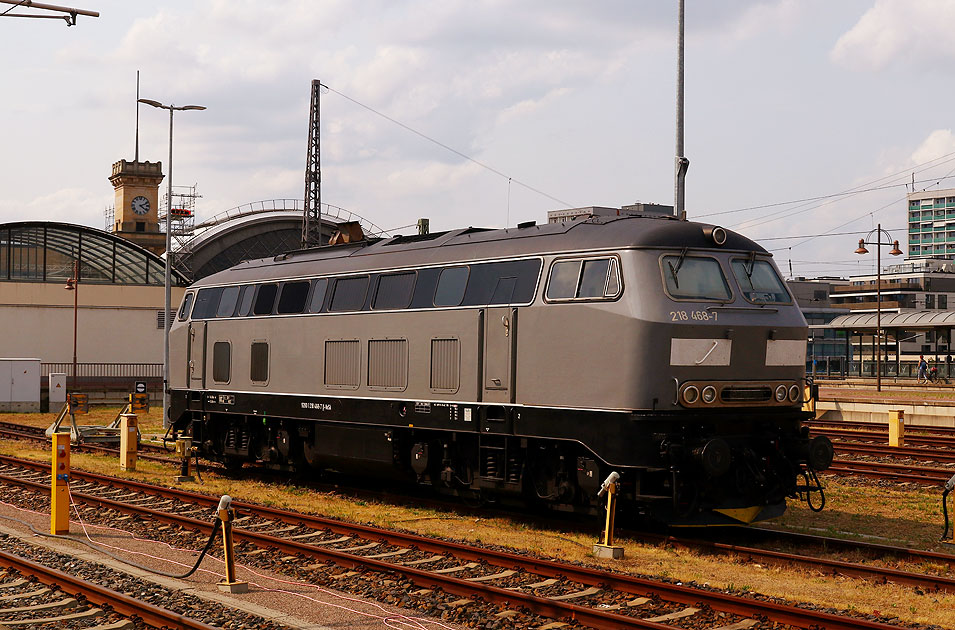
x: 34, y: 595
x: 14, y: 431
x: 593, y: 597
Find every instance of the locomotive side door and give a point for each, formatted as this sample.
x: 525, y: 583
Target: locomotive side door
x: 196, y: 361
x: 500, y: 343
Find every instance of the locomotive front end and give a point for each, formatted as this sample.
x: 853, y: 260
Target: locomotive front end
x: 729, y: 441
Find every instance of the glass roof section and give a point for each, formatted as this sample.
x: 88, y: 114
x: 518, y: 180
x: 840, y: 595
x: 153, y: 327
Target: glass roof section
x: 43, y: 251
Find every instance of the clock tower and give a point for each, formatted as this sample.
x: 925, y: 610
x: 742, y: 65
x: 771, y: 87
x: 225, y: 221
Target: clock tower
x: 137, y: 203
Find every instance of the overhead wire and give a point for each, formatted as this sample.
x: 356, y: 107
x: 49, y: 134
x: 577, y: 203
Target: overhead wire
x: 870, y: 186
x: 448, y: 148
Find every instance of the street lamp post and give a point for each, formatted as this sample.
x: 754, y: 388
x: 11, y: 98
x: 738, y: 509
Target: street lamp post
x: 168, y: 276
x: 878, y: 231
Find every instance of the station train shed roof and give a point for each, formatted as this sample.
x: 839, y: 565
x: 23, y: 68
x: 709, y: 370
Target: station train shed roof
x: 45, y: 251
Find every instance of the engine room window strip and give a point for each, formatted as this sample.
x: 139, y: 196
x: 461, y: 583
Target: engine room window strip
x: 479, y: 284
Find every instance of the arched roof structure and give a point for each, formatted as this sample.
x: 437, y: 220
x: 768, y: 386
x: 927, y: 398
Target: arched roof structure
x: 254, y: 230
x: 45, y: 251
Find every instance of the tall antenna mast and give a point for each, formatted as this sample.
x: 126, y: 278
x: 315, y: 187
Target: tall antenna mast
x: 136, y: 159
x: 312, y: 219
x: 682, y: 164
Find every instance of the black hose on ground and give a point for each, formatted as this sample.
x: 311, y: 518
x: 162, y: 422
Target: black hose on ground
x: 949, y: 486
x: 95, y: 547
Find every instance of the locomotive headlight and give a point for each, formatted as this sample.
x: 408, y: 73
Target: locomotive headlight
x: 709, y: 394
x: 794, y: 393
x: 781, y: 393
x: 691, y: 394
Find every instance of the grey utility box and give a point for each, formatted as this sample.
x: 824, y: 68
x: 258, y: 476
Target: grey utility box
x: 20, y: 385
x: 57, y: 389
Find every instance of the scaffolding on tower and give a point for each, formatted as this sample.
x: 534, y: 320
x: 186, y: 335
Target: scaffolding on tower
x: 182, y: 217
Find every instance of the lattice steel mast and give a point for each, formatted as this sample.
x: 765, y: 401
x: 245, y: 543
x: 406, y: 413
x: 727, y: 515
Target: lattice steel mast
x: 312, y: 218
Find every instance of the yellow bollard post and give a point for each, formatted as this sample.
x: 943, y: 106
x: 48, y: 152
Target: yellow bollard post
x: 896, y: 427
x: 60, y: 485
x: 128, y: 441
x: 230, y: 584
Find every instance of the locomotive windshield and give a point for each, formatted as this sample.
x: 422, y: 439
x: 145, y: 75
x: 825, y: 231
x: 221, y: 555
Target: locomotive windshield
x: 694, y: 278
x: 759, y: 282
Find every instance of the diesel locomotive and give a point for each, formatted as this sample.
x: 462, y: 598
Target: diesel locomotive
x: 520, y: 364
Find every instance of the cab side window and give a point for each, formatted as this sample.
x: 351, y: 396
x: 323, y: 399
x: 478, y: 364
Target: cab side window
x: 584, y: 279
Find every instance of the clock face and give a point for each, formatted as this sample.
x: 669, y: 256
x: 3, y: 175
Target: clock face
x: 140, y: 205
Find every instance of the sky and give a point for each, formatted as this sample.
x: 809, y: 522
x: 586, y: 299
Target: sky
x: 805, y: 119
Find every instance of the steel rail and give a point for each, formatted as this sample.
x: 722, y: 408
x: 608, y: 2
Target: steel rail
x: 928, y: 440
x: 898, y: 472
x: 101, y: 596
x: 746, y: 607
x: 911, y: 452
x: 848, y: 424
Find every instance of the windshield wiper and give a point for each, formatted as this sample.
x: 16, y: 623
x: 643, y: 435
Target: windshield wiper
x: 752, y: 267
x: 675, y: 271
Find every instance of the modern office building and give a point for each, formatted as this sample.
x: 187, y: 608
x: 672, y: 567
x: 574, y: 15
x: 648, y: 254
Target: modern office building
x: 931, y: 222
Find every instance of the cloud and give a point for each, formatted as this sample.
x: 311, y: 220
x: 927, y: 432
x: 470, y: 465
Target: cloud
x: 908, y: 33
x: 938, y: 143
x: 67, y: 205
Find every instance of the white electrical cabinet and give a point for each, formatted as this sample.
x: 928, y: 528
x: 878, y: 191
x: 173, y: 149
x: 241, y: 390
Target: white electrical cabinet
x: 20, y: 385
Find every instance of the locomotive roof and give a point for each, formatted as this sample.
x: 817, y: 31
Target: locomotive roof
x: 464, y: 245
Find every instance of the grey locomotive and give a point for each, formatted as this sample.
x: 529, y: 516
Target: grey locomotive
x: 521, y: 364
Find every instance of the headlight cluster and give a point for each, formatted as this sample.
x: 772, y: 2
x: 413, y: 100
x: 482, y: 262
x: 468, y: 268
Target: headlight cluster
x: 739, y: 393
